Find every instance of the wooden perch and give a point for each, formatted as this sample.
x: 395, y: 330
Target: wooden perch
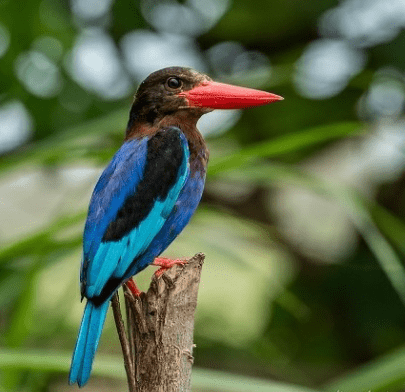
x: 158, y: 351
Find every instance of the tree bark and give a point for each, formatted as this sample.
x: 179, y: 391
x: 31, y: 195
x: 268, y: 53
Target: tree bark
x: 160, y: 324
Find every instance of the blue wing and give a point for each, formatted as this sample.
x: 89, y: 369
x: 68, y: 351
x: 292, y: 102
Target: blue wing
x: 118, y: 181
x: 181, y: 214
x: 131, y: 202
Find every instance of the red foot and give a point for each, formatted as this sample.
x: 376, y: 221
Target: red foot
x: 133, y: 288
x: 166, y: 264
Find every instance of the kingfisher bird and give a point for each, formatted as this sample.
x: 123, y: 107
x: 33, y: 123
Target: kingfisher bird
x: 149, y: 191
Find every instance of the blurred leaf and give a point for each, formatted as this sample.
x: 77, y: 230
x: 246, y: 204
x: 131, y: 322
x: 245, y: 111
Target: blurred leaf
x: 44, y: 242
x: 22, y: 316
x: 225, y: 382
x: 283, y: 145
x: 392, y: 226
x: 381, y: 248
x: 20, y: 324
x: 70, y: 144
x: 355, y: 205
x: 272, y: 173
x: 66, y: 146
x: 384, y: 374
x: 109, y: 366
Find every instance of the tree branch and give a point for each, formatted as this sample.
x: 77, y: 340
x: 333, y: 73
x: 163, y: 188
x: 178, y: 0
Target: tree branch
x: 159, y: 352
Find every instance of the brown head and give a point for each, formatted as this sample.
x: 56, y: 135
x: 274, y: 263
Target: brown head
x: 179, y: 96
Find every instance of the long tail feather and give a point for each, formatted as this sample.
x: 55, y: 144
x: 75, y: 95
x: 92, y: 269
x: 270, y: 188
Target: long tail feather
x: 87, y: 342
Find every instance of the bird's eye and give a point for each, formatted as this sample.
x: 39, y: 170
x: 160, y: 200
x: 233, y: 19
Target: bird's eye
x: 174, y: 83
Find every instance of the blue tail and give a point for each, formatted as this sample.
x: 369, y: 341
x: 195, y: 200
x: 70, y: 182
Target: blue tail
x: 87, y: 342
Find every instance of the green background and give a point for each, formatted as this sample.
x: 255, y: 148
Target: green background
x: 302, y: 220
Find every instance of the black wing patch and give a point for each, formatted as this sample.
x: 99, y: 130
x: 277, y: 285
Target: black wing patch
x: 165, y: 154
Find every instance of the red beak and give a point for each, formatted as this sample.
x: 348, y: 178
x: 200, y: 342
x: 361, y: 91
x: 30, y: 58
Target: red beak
x: 215, y: 95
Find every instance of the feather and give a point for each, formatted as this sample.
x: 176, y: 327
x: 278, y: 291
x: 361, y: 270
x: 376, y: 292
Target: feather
x: 87, y: 342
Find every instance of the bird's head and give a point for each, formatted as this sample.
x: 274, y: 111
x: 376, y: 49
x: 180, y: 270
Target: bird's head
x: 183, y: 93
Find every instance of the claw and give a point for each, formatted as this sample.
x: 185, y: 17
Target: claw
x: 166, y: 264
x: 133, y: 288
